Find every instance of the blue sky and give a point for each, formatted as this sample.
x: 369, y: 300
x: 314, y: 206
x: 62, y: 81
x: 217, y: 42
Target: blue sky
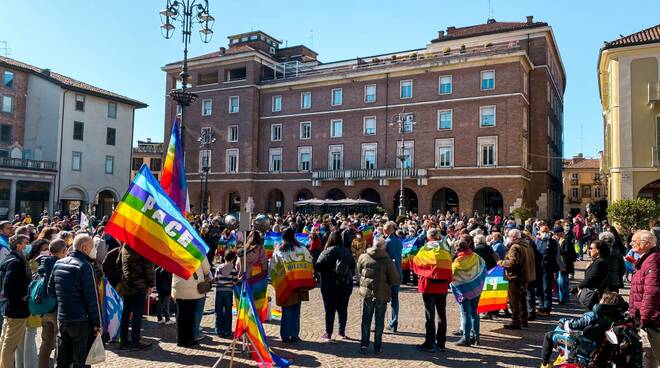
x: 117, y: 45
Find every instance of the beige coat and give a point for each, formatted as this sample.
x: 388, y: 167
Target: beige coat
x: 187, y: 289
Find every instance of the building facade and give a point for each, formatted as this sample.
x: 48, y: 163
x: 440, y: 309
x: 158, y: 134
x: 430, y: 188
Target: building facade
x: 69, y: 140
x: 481, y: 126
x: 629, y: 74
x: 585, y: 189
x: 150, y: 153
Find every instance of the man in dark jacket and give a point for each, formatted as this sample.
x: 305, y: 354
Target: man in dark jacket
x: 548, y: 248
x: 73, y: 282
x: 394, y: 250
x: 14, y: 281
x: 520, y: 271
x: 138, y: 279
x: 377, y: 276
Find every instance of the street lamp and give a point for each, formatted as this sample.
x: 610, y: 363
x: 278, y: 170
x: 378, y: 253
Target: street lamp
x: 206, y: 140
x: 187, y: 12
x: 405, y: 121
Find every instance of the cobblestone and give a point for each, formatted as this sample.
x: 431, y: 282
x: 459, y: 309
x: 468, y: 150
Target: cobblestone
x: 500, y: 348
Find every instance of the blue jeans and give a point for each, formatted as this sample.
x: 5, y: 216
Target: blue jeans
x: 394, y: 319
x: 581, y: 252
x: 133, y: 308
x: 199, y: 313
x: 562, y: 287
x: 369, y: 307
x: 546, y: 295
x: 531, y: 298
x: 290, y: 322
x: 470, y: 317
x: 223, y: 303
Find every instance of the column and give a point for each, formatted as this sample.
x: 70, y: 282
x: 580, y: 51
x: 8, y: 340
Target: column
x: 51, y: 198
x: 12, y: 199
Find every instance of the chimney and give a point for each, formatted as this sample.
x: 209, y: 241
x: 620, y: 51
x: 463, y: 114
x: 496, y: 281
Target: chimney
x: 45, y: 72
x: 441, y: 34
x: 148, y: 140
x: 222, y: 50
x: 530, y: 19
x: 450, y: 30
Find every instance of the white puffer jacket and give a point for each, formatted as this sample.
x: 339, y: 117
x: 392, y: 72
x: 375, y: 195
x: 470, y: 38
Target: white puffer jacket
x: 187, y: 289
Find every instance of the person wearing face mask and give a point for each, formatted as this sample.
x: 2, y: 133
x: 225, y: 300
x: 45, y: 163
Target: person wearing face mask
x: 548, y: 248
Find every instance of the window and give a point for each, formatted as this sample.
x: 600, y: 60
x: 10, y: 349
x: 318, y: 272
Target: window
x: 8, y: 79
x: 586, y: 191
x: 78, y: 130
x: 232, y: 160
x: 275, y: 159
x: 204, y: 159
x: 137, y: 163
x: 408, y: 122
x: 304, y: 158
x: 232, y: 133
x: 525, y: 119
x: 445, y: 119
x: 233, y: 104
x: 335, y: 128
x: 155, y: 164
x: 276, y: 103
x: 306, y: 100
x: 335, y: 157
x: 7, y: 105
x: 109, y: 164
x: 369, y: 151
x: 597, y: 191
x: 207, y: 78
x: 408, y: 153
x: 112, y: 110
x: 525, y: 82
x: 235, y: 75
x: 446, y: 86
x: 337, y: 96
x: 80, y: 103
x: 110, y: 136
x: 305, y: 130
x: 487, y: 116
x: 487, y: 79
x: 486, y: 151
x: 370, y: 93
x: 444, y: 149
x: 406, y: 88
x: 76, y: 161
x: 5, y: 134
x: 575, y: 193
x: 207, y: 107
x: 276, y: 132
x: 369, y: 125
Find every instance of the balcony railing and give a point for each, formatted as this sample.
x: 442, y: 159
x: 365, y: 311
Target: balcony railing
x: 654, y: 92
x: 21, y: 163
x: 368, y: 174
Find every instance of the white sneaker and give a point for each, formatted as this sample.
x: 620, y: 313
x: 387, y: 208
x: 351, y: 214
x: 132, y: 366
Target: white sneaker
x: 160, y: 322
x: 170, y: 322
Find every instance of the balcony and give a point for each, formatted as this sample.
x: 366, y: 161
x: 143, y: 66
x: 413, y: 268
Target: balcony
x: 20, y: 163
x: 383, y: 175
x: 654, y: 93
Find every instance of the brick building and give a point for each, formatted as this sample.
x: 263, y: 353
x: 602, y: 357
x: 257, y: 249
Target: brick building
x: 150, y: 153
x: 584, y: 187
x: 484, y: 131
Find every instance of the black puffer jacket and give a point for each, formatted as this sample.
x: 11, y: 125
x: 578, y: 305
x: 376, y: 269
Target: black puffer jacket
x: 326, y: 265
x: 595, y: 276
x: 15, y: 281
x: 72, y: 281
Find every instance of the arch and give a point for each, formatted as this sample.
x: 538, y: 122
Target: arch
x: 370, y: 194
x: 105, y: 203
x: 335, y: 194
x: 112, y: 191
x: 409, y: 200
x: 275, y: 201
x: 304, y: 194
x: 74, y: 193
x: 488, y: 201
x: 444, y: 199
x: 651, y: 191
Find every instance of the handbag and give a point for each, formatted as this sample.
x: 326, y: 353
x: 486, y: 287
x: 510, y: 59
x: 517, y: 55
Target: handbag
x: 96, y: 353
x: 588, y: 297
x: 203, y: 286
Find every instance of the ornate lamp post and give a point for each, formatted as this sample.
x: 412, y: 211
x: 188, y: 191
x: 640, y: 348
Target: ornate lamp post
x: 187, y: 13
x: 402, y: 119
x: 206, y: 141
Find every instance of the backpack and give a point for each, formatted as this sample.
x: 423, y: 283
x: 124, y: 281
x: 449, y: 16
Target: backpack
x: 38, y: 301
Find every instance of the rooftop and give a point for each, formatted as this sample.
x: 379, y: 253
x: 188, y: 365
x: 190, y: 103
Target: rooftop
x: 149, y: 147
x: 68, y: 82
x: 582, y: 163
x: 645, y: 36
x: 490, y: 27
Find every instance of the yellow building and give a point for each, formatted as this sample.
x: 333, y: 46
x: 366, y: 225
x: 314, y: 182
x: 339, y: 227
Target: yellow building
x: 150, y: 153
x: 584, y: 187
x: 629, y: 74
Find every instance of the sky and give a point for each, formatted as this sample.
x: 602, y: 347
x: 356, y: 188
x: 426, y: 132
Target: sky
x: 117, y: 45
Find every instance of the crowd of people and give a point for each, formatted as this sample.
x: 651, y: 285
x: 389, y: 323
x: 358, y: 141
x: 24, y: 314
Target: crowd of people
x: 50, y: 274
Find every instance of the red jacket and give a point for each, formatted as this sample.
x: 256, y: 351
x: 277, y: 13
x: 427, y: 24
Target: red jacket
x: 645, y: 289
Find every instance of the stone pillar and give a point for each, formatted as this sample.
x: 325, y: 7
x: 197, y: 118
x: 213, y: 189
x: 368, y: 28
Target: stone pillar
x: 12, y: 199
x: 51, y: 198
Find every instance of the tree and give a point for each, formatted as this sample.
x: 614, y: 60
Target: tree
x: 633, y: 212
x: 522, y: 213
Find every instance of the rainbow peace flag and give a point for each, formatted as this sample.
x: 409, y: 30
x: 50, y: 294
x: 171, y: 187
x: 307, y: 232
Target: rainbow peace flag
x: 433, y: 260
x: 303, y: 238
x: 368, y: 234
x: 407, y: 253
x: 290, y: 271
x: 272, y: 241
x: 468, y: 276
x: 150, y: 222
x: 494, y: 294
x: 249, y: 324
x: 173, y: 179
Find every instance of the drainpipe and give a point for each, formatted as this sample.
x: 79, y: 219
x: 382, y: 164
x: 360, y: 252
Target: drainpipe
x: 59, y: 161
x: 387, y: 114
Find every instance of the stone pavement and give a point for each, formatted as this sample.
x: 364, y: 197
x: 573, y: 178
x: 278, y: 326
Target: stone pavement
x: 500, y: 348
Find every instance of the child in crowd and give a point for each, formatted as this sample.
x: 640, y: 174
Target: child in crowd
x: 224, y: 280
x: 164, y: 289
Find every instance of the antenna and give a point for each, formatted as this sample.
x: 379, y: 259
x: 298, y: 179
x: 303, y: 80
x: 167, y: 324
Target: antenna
x: 311, y: 36
x: 4, y: 49
x: 490, y: 10
x: 581, y: 136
